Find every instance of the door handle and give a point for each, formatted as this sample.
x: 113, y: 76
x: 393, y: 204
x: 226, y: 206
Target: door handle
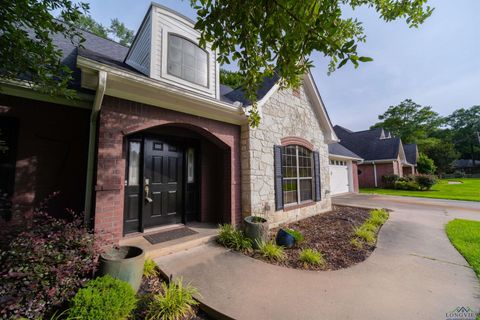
x: 147, y: 193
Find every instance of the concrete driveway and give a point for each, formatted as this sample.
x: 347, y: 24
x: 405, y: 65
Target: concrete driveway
x: 414, y: 273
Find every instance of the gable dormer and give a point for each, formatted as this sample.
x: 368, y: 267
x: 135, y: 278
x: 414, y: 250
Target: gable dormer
x: 166, y: 48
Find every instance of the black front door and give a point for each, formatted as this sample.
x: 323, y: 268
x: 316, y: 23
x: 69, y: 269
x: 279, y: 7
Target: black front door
x: 162, y: 182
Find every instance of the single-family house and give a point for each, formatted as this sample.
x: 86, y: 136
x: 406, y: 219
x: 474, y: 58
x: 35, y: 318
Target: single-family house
x: 343, y: 169
x: 382, y: 154
x: 154, y: 139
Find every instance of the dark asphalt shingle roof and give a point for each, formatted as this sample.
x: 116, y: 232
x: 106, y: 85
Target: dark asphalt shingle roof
x: 339, y: 150
x: 411, y: 153
x: 94, y: 47
x: 370, y: 144
x: 113, y: 54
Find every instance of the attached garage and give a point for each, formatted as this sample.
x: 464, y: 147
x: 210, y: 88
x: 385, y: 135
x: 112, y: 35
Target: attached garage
x: 339, y: 176
x: 343, y: 169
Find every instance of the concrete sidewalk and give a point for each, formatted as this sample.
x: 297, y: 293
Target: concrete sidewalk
x: 414, y: 273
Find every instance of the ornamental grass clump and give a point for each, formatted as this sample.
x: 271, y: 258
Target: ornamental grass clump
x: 233, y: 238
x: 311, y: 257
x: 271, y: 251
x: 367, y: 232
x: 103, y: 298
x: 176, y: 302
x: 297, y: 235
x: 150, y: 268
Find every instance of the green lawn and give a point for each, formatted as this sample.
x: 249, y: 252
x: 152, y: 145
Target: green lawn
x: 465, y: 237
x: 468, y: 190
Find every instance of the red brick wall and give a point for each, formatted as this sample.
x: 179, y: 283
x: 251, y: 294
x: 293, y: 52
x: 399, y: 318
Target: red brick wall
x: 119, y: 118
x: 407, y: 171
x: 355, y: 176
x: 51, y: 154
x: 367, y: 178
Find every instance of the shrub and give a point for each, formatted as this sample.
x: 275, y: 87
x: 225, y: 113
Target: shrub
x: 425, y: 165
x: 43, y: 266
x: 425, y: 181
x: 150, y: 268
x: 299, y: 238
x: 233, y: 238
x: 311, y: 257
x: 103, y: 298
x: 389, y: 180
x: 459, y: 174
x: 406, y: 185
x: 271, y: 251
x: 174, y: 303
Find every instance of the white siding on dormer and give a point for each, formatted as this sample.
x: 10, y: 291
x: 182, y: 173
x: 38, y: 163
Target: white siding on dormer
x: 139, y: 55
x: 153, y: 35
x: 167, y: 22
x: 149, y: 52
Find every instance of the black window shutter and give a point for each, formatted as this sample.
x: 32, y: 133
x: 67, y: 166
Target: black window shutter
x: 277, y: 159
x: 316, y: 163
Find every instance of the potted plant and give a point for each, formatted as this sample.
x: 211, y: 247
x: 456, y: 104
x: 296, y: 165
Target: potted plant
x: 124, y: 263
x: 256, y: 228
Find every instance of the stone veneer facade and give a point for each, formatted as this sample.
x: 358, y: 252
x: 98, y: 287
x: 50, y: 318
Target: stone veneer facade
x: 286, y: 114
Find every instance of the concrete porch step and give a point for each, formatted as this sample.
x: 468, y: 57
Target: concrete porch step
x: 205, y: 233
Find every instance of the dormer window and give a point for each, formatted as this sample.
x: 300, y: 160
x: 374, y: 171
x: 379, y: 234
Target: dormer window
x: 187, y: 61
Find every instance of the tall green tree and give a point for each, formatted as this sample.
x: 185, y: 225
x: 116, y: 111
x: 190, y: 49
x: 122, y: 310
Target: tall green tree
x: 233, y: 79
x: 267, y: 36
x: 465, y: 126
x: 27, y: 51
x: 412, y: 122
x: 117, y: 30
x: 86, y: 22
x: 124, y: 35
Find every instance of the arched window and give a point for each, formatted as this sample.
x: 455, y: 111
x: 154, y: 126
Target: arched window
x: 298, y: 173
x: 187, y: 61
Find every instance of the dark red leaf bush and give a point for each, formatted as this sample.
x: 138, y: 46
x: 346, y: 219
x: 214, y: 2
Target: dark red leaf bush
x: 44, y: 264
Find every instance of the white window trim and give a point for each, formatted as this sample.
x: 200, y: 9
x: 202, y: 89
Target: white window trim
x: 298, y: 178
x: 173, y: 34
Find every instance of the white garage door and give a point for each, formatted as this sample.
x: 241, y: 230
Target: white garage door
x: 338, y: 177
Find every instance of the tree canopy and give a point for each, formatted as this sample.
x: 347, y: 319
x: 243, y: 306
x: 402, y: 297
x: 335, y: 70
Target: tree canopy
x: 267, y: 36
x: 27, y: 53
x: 232, y: 79
x: 412, y: 122
x: 465, y: 126
x: 117, y: 30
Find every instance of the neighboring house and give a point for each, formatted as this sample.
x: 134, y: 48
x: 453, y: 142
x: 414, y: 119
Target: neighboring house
x: 382, y: 154
x: 156, y: 140
x: 343, y: 169
x: 466, y: 165
x: 411, y: 155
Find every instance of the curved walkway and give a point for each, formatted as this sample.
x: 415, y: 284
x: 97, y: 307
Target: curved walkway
x: 414, y: 273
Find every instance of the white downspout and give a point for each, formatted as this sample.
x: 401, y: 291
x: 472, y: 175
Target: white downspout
x: 375, y: 173
x: 97, y: 105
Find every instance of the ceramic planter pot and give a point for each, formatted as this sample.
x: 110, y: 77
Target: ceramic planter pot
x: 124, y: 263
x: 256, y: 228
x: 284, y: 239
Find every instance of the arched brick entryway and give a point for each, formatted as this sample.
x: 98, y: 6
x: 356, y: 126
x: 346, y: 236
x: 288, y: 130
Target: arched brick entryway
x: 219, y: 160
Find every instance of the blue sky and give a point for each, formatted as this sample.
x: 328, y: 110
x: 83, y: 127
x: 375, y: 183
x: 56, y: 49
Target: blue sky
x: 437, y: 64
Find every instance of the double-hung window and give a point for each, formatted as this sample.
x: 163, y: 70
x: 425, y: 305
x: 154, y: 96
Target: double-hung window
x: 298, y: 173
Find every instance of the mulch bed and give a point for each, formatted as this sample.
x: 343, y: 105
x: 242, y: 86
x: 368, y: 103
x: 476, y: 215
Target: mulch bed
x: 330, y: 233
